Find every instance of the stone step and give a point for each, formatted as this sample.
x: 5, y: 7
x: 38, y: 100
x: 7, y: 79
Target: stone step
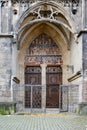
x: 52, y: 110
x: 40, y: 111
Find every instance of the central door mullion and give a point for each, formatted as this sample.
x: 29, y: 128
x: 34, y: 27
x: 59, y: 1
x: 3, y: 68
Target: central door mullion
x: 43, y: 66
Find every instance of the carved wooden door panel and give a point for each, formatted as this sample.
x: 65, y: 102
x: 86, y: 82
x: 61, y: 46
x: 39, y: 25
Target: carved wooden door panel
x: 33, y: 79
x: 53, y: 78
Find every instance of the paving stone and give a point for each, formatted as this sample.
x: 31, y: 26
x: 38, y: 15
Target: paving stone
x: 43, y: 122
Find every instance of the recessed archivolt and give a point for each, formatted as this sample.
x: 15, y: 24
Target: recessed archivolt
x: 43, y: 28
x: 51, y: 22
x: 58, y: 29
x: 30, y: 23
x: 51, y: 4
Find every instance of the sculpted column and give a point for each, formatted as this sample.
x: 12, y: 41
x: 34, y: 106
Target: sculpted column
x: 43, y: 66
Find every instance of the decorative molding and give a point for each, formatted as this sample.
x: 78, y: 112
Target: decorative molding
x: 43, y: 59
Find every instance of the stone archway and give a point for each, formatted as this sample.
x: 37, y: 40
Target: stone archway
x: 35, y: 32
x: 62, y: 47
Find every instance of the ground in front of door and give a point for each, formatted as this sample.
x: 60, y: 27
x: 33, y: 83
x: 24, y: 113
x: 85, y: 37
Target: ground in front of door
x: 43, y: 122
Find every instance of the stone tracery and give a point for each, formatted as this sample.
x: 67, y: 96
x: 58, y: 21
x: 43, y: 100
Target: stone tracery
x: 47, y: 13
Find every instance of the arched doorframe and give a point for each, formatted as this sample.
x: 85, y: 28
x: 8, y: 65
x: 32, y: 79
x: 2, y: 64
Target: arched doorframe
x: 34, y: 33
x: 22, y: 66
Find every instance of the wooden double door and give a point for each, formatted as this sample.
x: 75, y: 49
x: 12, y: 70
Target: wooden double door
x: 33, y: 86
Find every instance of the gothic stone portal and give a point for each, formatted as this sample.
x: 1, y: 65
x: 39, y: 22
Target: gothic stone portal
x: 43, y: 50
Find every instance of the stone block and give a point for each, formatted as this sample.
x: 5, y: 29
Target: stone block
x: 83, y: 108
x: 5, y: 66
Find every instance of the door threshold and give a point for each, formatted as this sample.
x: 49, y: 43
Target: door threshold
x: 53, y: 110
x: 40, y: 111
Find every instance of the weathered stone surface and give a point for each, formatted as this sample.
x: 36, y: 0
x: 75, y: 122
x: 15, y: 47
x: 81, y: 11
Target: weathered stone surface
x: 73, y: 98
x: 43, y: 122
x: 55, y: 20
x: 5, y: 66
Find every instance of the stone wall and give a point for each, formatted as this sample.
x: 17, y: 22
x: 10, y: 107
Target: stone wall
x: 6, y: 20
x: 64, y: 95
x: 76, y: 57
x: 70, y: 98
x: 84, y: 13
x: 18, y: 96
x: 73, y: 98
x: 5, y: 68
x: 84, y: 89
x: 84, y: 92
x: 84, y: 40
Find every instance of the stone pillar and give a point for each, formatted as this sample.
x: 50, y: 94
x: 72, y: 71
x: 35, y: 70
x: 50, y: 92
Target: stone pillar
x: 14, y: 67
x: 5, y: 67
x: 84, y: 51
x: 80, y: 93
x: 43, y: 66
x: 0, y: 15
x: 6, y: 17
x: 84, y: 13
x: 14, y: 59
x: 84, y: 36
x: 84, y: 57
x: 9, y: 17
